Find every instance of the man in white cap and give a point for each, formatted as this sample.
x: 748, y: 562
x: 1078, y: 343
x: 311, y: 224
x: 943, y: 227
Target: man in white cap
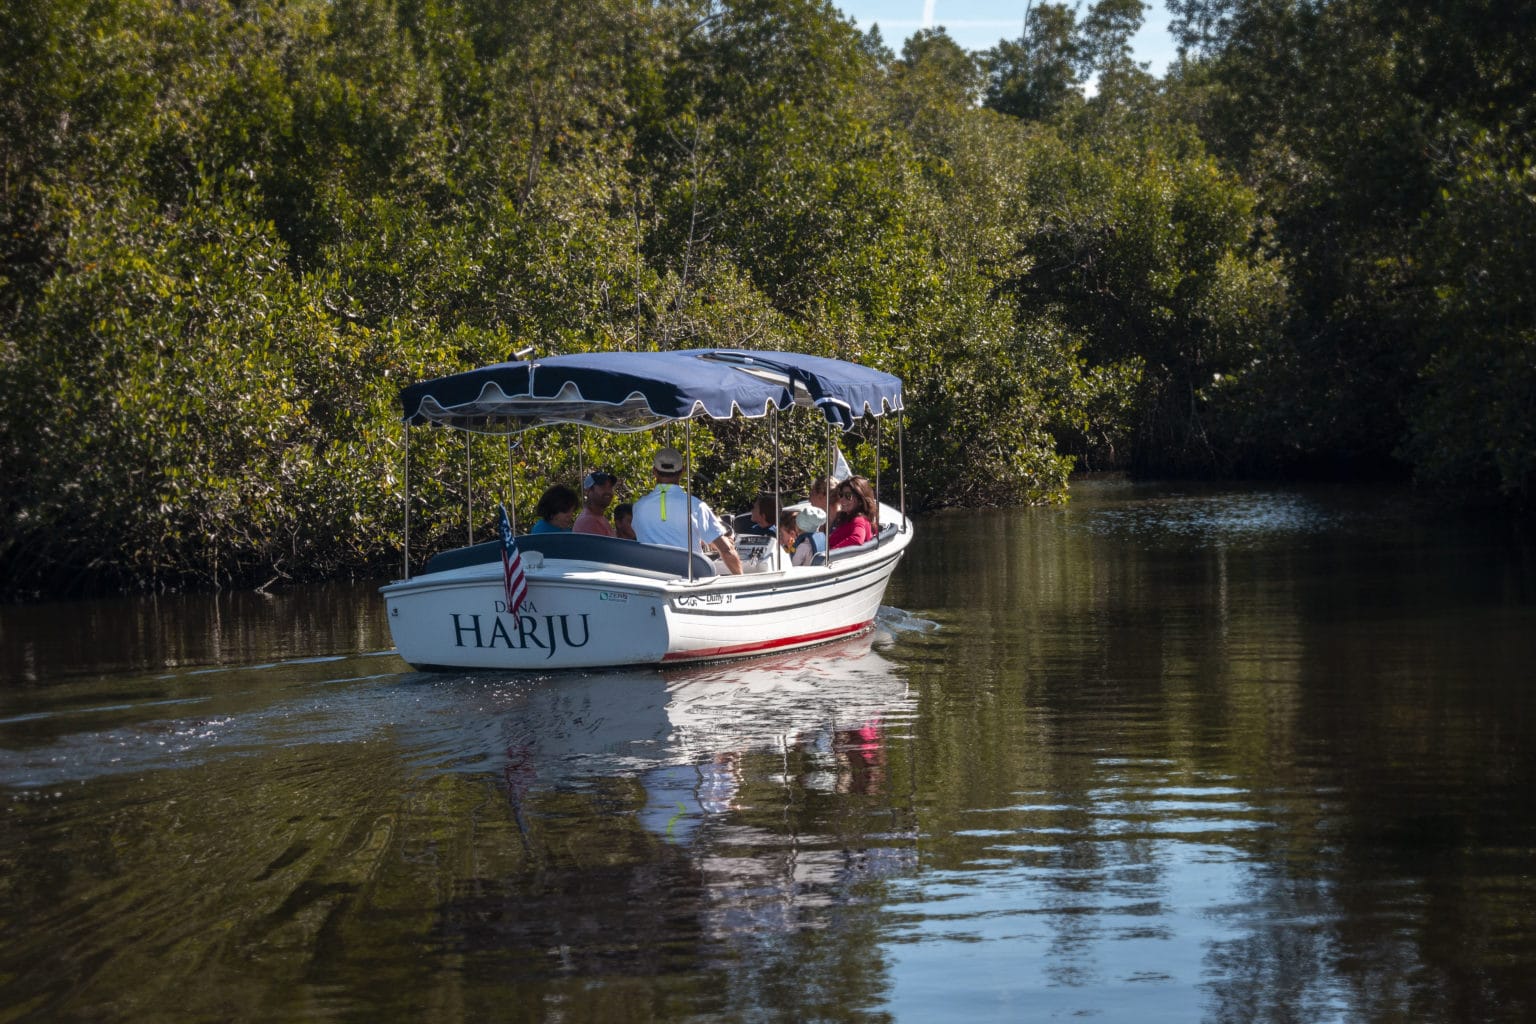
x: 661, y: 517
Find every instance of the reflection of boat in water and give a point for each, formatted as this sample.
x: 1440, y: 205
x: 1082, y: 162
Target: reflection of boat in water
x: 596, y: 601
x: 532, y: 813
x: 759, y: 785
x: 681, y: 733
x: 569, y: 727
x: 724, y: 707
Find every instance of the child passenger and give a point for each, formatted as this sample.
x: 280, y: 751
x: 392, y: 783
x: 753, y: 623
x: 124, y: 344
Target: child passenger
x: 623, y: 517
x: 809, y: 521
x: 788, y: 531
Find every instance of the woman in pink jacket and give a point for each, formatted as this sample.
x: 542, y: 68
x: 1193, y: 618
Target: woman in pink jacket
x: 857, y: 517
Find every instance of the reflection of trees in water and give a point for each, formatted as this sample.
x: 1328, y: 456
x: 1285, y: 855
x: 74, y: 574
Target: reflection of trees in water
x: 1352, y: 682
x: 1284, y: 965
x: 168, y: 631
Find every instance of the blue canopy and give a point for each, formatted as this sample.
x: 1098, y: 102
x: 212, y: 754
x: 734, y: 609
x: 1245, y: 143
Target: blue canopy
x: 631, y: 391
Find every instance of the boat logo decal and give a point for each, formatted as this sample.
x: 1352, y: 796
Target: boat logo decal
x: 610, y: 595
x: 694, y: 600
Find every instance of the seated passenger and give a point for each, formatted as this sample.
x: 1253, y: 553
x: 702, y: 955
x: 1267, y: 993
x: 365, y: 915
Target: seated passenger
x: 597, y: 491
x: 857, y: 516
x: 556, y: 510
x: 663, y: 515
x: 788, y: 532
x: 764, y: 510
x: 623, y: 521
x: 812, y: 537
x: 819, y: 495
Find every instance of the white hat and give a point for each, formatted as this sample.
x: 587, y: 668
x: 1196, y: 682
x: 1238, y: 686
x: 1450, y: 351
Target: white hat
x: 668, y: 460
x: 810, y: 519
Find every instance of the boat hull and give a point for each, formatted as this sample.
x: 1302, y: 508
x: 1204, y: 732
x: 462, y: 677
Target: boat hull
x: 589, y: 615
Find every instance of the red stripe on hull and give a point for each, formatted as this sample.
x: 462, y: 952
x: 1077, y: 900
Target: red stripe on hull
x: 764, y: 645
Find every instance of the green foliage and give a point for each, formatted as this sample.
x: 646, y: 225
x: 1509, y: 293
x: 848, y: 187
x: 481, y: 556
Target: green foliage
x: 1473, y: 424
x: 1145, y: 248
x: 229, y: 232
x: 1038, y: 75
x: 1042, y: 74
x: 1390, y: 146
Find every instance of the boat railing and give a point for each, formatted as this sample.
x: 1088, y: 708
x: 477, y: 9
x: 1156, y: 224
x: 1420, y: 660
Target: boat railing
x: 583, y: 547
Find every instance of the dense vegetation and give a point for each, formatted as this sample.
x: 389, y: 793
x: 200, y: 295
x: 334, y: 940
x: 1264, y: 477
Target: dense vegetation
x: 229, y: 231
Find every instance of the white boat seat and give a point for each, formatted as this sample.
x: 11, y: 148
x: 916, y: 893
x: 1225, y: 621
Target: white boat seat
x: 887, y: 531
x: 586, y: 547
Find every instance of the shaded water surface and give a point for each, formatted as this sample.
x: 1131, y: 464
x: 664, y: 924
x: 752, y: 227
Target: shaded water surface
x: 1165, y: 754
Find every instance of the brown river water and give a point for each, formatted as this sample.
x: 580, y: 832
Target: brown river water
x: 1166, y: 754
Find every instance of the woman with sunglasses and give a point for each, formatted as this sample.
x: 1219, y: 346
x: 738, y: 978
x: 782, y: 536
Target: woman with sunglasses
x: 856, y: 516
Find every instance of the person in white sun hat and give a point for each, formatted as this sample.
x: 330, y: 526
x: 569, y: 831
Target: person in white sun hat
x: 810, y: 521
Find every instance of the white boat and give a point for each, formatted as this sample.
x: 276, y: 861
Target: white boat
x: 600, y: 601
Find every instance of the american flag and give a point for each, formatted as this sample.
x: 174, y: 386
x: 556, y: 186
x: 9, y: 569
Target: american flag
x: 513, y: 583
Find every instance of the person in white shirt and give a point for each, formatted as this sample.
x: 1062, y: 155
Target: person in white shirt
x: 661, y: 517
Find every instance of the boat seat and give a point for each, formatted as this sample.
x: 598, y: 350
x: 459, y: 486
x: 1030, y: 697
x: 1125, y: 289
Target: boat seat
x: 887, y: 531
x: 586, y: 547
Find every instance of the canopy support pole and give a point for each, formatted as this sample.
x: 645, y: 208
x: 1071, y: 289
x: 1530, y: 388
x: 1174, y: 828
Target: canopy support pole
x: 469, y: 488
x: 688, y: 489
x: 830, y: 504
x: 878, y: 457
x: 512, y: 482
x: 778, y: 546
x: 901, y: 465
x: 407, y: 555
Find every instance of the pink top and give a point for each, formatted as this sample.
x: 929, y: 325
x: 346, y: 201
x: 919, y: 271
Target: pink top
x: 855, y: 531
x: 591, y: 522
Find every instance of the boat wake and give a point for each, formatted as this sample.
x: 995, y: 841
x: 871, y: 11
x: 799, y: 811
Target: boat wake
x: 898, y: 621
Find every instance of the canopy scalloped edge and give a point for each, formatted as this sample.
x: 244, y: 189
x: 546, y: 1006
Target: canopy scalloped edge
x: 627, y: 392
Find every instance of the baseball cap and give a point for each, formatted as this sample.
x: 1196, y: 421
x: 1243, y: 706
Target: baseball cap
x: 597, y: 479
x: 668, y: 460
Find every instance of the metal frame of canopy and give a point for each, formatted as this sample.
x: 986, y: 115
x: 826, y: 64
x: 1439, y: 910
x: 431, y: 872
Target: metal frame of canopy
x: 620, y: 392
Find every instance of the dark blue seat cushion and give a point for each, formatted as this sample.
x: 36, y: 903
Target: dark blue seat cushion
x: 589, y: 547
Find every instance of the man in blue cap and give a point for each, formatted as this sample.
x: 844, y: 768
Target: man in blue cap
x: 597, y: 495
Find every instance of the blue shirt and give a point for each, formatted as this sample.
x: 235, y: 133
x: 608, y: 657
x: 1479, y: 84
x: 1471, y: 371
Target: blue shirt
x: 545, y: 526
